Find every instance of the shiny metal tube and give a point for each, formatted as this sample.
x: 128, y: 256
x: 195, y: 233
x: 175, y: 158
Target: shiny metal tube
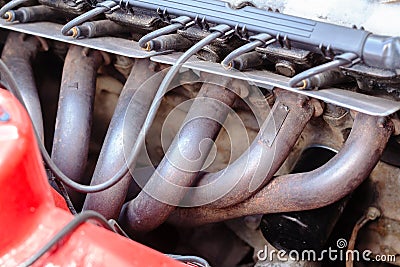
x: 310, y: 190
x: 253, y: 170
x: 18, y: 53
x: 183, y: 160
x: 129, y: 116
x: 74, y: 114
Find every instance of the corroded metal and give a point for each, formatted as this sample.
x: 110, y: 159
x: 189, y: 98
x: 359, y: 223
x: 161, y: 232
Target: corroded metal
x: 253, y: 170
x: 311, y: 190
x: 184, y: 159
x: 133, y: 104
x: 74, y: 115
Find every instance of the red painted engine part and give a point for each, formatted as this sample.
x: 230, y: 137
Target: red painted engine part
x: 29, y: 217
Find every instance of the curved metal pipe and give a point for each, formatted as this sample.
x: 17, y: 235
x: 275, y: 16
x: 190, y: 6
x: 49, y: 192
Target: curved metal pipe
x: 18, y: 53
x: 310, y: 190
x: 263, y: 158
x: 134, y: 103
x: 74, y: 114
x: 183, y: 160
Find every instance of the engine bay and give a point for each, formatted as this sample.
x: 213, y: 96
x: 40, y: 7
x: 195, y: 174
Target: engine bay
x: 261, y: 133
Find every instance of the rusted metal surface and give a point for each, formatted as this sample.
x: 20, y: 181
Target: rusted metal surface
x: 382, y: 237
x: 261, y: 161
x: 183, y: 160
x: 74, y: 114
x: 18, y: 53
x: 133, y: 104
x: 311, y: 190
x: 371, y: 215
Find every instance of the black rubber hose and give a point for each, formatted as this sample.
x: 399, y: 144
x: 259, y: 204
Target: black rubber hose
x: 31, y: 14
x: 257, y: 41
x: 163, y: 31
x: 177, y: 24
x: 10, y: 5
x: 218, y: 31
x: 99, y: 9
x: 342, y: 60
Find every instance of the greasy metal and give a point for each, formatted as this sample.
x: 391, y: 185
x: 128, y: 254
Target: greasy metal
x: 68, y: 6
x: 370, y: 105
x: 310, y: 190
x: 49, y: 30
x: 134, y: 104
x: 74, y: 114
x: 18, y: 53
x: 255, y: 168
x: 184, y: 158
x: 142, y: 21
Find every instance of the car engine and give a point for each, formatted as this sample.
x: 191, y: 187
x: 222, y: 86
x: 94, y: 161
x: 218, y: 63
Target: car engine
x: 200, y: 133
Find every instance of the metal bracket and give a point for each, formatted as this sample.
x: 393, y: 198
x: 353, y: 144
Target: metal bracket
x: 370, y: 105
x: 52, y: 31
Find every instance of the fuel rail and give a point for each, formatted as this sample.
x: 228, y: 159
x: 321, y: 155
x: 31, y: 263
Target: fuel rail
x: 328, y: 39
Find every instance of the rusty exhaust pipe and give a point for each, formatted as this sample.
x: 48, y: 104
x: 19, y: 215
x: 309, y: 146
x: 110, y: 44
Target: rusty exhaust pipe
x: 18, y: 54
x: 311, y: 190
x: 134, y: 104
x: 261, y: 161
x: 183, y: 160
x: 74, y: 114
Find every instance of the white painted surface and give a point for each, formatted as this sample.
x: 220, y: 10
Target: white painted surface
x: 378, y: 16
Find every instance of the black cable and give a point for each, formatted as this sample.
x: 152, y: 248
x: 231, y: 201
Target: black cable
x: 218, y: 31
x: 92, y: 215
x: 341, y: 60
x: 177, y: 24
x: 106, y: 6
x: 64, y: 193
x: 190, y: 259
x: 258, y: 40
x: 66, y: 230
x: 10, y: 5
x: 14, y: 89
